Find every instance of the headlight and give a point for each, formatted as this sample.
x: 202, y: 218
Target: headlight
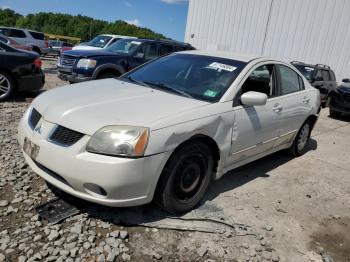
x: 86, y: 63
x: 119, y: 141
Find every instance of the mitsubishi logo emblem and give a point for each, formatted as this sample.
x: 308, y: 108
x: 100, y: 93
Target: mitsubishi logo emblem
x: 38, y: 128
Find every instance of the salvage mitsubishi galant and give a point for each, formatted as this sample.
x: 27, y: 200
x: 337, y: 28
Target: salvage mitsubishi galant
x: 165, y: 130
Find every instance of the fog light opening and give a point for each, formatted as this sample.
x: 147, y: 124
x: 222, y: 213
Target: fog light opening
x: 95, y: 190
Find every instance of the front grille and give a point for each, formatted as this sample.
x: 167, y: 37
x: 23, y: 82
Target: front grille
x: 34, y: 118
x: 67, y: 60
x: 64, y: 136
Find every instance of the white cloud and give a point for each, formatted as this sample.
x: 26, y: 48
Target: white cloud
x: 133, y: 22
x: 5, y: 7
x: 128, y: 4
x: 174, y: 1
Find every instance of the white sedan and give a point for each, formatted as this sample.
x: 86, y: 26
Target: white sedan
x: 165, y: 130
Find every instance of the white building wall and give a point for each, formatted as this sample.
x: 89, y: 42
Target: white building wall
x: 311, y: 31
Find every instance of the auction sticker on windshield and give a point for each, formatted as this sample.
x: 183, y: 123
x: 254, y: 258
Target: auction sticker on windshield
x: 136, y: 42
x: 219, y: 67
x: 210, y: 93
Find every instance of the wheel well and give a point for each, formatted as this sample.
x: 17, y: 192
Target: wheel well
x: 11, y: 75
x: 312, y: 119
x: 209, y: 142
x: 109, y: 71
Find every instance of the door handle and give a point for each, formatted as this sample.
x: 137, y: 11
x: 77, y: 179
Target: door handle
x: 277, y: 108
x: 306, y: 100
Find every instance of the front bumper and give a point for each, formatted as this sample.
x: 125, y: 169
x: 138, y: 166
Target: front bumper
x: 73, y: 77
x: 125, y: 181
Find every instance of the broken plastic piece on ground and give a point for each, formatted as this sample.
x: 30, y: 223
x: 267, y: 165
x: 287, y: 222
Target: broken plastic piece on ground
x: 56, y: 210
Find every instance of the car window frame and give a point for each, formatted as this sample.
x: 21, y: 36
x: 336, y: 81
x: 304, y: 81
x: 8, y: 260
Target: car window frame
x: 237, y: 96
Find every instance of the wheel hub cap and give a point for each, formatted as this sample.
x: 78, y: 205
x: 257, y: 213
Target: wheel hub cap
x: 4, y: 86
x: 303, y: 137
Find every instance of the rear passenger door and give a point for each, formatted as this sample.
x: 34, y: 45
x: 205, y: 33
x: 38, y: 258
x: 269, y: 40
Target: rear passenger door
x: 294, y: 102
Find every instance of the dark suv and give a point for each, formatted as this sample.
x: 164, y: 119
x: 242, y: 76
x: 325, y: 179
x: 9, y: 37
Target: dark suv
x: 124, y: 55
x: 320, y: 76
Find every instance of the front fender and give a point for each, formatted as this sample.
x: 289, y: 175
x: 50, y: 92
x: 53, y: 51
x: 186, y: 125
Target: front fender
x: 100, y: 68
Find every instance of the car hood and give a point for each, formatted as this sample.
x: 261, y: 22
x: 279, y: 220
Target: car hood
x: 89, y: 53
x: 89, y: 106
x: 344, y: 89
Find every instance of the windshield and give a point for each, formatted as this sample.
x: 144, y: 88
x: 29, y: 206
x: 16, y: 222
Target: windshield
x: 201, y: 77
x: 125, y: 46
x: 308, y: 72
x: 100, y: 41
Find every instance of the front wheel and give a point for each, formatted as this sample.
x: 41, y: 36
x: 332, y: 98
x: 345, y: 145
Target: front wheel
x: 6, y: 86
x: 333, y: 114
x: 300, y: 142
x: 185, y: 178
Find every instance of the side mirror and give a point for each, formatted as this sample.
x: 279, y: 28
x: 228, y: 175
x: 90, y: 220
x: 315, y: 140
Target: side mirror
x: 346, y: 80
x: 252, y: 98
x: 139, y: 55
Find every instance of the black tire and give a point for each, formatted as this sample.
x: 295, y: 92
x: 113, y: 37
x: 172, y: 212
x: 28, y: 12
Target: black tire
x: 7, y: 86
x: 301, y: 140
x: 107, y: 75
x: 37, y: 50
x: 333, y: 114
x: 185, y: 178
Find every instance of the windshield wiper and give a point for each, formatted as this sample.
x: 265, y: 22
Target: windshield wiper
x: 136, y: 81
x: 168, y: 87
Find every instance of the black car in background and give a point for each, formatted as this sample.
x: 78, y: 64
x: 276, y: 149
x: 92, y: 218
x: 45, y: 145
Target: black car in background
x: 115, y: 60
x: 320, y: 76
x: 339, y: 99
x: 19, y: 71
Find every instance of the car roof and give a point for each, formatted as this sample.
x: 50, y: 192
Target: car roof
x: 320, y: 66
x: 116, y: 36
x: 166, y: 41
x: 222, y: 54
x: 24, y: 29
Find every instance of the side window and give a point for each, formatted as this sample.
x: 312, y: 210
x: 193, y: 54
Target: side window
x: 165, y: 49
x: 150, y: 51
x: 113, y: 41
x: 261, y: 80
x: 290, y: 80
x: 4, y: 40
x: 318, y: 74
x: 36, y: 35
x: 5, y: 31
x: 325, y: 75
x: 17, y: 33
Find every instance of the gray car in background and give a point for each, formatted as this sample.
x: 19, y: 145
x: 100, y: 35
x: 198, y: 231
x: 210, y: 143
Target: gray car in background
x: 27, y: 37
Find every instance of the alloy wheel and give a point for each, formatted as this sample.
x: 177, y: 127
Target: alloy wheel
x: 303, y: 137
x: 5, y: 86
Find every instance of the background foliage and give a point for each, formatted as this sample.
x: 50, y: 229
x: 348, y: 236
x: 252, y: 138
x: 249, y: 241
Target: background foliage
x: 69, y: 25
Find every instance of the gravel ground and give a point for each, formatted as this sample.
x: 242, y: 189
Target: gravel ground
x: 297, y: 208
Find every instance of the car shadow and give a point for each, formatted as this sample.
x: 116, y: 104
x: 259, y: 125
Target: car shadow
x: 151, y: 213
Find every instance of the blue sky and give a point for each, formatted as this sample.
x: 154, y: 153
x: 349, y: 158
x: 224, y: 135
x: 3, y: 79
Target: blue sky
x: 164, y: 16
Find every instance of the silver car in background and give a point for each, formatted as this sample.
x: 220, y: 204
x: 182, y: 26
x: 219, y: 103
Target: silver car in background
x: 167, y: 129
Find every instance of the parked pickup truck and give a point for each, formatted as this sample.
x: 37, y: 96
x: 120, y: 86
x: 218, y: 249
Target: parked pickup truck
x: 82, y: 65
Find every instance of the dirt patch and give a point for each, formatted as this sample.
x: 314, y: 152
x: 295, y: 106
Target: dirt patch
x: 333, y: 237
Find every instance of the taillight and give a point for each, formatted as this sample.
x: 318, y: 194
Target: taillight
x: 37, y: 63
x: 46, y: 44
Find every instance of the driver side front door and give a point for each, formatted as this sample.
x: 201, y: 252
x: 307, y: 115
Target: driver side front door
x: 255, y: 128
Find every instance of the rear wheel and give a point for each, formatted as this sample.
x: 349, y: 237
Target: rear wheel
x: 6, y: 86
x: 37, y: 50
x: 300, y: 142
x: 185, y: 178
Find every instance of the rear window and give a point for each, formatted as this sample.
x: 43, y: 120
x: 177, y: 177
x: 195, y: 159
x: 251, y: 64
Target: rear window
x: 17, y: 33
x: 307, y: 71
x: 36, y: 35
